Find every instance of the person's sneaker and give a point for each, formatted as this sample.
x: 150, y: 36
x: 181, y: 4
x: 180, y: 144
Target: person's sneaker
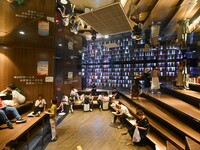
x: 37, y: 115
x: 9, y: 124
x: 54, y: 139
x: 30, y: 114
x: 159, y: 92
x: 91, y: 110
x: 119, y: 127
x: 20, y: 120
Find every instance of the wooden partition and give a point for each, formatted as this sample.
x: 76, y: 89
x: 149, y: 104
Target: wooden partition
x: 19, y: 67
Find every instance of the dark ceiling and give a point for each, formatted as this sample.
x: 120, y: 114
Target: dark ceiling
x: 167, y: 12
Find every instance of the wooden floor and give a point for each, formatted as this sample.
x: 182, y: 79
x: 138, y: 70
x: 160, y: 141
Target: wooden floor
x: 89, y: 131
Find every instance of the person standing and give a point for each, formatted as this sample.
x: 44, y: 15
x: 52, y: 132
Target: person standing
x: 53, y: 113
x: 186, y: 73
x: 147, y: 80
x: 155, y: 84
x: 179, y: 81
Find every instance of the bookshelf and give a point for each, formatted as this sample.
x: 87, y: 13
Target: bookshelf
x: 115, y: 67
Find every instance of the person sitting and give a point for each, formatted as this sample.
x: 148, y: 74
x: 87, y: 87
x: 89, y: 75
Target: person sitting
x: 136, y: 89
x: 40, y: 106
x: 143, y: 125
x: 71, y: 103
x: 89, y: 100
x: 115, y: 94
x: 4, y: 110
x: 100, y: 100
x: 121, y: 112
x: 17, y: 98
x: 74, y: 93
x: 64, y: 101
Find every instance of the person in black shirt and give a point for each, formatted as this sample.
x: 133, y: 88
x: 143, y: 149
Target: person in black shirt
x: 143, y: 125
x: 136, y: 89
x: 147, y: 80
x: 94, y: 90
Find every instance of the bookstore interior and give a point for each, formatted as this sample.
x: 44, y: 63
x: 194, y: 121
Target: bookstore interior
x: 56, y: 49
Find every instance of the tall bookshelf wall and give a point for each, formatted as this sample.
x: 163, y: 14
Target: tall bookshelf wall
x: 115, y: 67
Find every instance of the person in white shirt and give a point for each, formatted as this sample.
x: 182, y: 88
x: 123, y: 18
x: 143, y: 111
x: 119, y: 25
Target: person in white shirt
x: 40, y: 106
x: 65, y: 101
x: 17, y: 98
x: 74, y: 93
x: 100, y: 100
x: 122, y: 112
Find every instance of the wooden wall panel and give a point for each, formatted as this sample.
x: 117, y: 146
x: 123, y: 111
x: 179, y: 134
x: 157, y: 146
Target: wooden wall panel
x: 22, y: 61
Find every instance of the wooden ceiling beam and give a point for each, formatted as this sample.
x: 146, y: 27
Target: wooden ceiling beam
x: 196, y: 15
x: 151, y: 8
x: 170, y: 16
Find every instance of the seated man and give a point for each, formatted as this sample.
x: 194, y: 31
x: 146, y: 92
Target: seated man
x: 4, y: 110
x: 64, y: 102
x: 40, y: 106
x: 17, y: 98
x: 74, y: 93
x: 121, y: 112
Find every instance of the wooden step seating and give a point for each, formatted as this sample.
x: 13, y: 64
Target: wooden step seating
x: 194, y: 86
x: 191, y: 144
x: 189, y: 114
x: 188, y: 96
x: 170, y: 146
x: 30, y: 135
x: 159, y: 143
x: 160, y: 129
x: 166, y: 118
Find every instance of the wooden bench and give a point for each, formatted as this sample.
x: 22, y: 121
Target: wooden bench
x: 27, y: 134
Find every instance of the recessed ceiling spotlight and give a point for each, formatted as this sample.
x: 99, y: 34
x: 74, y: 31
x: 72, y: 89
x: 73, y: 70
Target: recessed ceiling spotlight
x: 21, y: 32
x: 106, y: 36
x: 194, y: 51
x: 59, y: 44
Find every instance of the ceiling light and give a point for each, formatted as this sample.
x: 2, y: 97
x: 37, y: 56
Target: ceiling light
x: 59, y: 44
x: 21, y: 32
x: 106, y: 36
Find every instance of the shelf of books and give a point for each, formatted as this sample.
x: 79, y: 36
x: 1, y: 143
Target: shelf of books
x: 116, y: 67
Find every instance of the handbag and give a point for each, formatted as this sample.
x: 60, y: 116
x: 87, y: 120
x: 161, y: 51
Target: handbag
x: 136, y: 135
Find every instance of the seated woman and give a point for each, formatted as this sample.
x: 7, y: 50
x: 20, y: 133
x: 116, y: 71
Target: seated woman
x: 40, y: 106
x: 64, y: 102
x: 4, y: 110
x: 100, y: 100
x: 17, y: 98
x: 143, y: 125
x: 136, y: 89
x: 88, y: 99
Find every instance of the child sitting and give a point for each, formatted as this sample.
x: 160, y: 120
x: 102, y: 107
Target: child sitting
x: 40, y: 106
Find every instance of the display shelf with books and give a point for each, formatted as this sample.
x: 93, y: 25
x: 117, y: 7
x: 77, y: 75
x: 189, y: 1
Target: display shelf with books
x: 116, y: 66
